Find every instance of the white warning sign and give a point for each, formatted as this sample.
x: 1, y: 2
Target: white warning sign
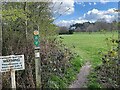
x: 12, y: 62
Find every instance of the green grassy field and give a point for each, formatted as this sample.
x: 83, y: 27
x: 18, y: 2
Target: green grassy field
x: 88, y: 45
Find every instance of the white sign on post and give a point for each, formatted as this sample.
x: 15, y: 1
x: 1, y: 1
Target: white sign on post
x: 12, y: 62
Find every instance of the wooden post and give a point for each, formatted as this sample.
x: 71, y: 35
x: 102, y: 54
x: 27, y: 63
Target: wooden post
x: 37, y: 58
x: 37, y: 68
x: 13, y: 82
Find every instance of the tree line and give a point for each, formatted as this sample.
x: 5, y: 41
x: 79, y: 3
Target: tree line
x: 99, y: 25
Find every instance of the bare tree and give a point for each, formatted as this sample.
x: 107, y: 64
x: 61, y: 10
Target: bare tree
x: 78, y: 29
x: 63, y: 30
x: 90, y: 28
x: 102, y: 24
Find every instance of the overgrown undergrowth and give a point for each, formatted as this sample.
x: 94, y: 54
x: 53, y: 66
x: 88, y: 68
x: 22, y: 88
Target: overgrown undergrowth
x: 69, y: 76
x: 107, y: 75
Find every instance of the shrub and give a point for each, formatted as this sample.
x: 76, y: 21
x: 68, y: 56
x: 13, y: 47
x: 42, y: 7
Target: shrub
x: 55, y: 60
x: 65, y: 30
x: 109, y: 71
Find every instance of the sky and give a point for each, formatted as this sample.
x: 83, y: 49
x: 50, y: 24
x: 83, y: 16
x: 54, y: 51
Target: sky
x: 70, y: 12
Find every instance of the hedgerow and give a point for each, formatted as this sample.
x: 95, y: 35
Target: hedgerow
x: 109, y: 72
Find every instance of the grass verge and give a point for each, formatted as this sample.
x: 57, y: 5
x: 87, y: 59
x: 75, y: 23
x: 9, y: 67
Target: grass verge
x: 69, y: 75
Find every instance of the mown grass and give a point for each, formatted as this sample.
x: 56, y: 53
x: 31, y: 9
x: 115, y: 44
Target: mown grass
x: 88, y: 47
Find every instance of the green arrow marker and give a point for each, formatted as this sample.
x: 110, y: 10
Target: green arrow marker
x: 36, y: 43
x: 36, y: 37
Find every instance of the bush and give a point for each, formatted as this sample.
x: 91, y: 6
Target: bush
x: 71, y: 31
x: 64, y: 30
x: 55, y: 60
x: 109, y: 71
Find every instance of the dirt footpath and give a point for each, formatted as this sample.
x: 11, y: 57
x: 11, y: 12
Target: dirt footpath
x: 82, y: 77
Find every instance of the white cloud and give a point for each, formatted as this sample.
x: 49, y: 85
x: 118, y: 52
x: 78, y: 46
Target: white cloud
x: 81, y: 3
x: 65, y: 23
x: 70, y: 22
x: 90, y: 3
x: 104, y: 1
x: 94, y: 3
x: 95, y: 14
x: 91, y: 16
x: 63, y: 7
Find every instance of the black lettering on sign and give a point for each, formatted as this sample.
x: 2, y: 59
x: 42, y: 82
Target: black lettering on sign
x: 14, y: 63
x: 17, y: 65
x: 18, y: 68
x: 10, y: 60
x: 3, y: 70
x: 4, y: 67
x: 6, y: 61
x: 15, y: 60
x: 4, y: 64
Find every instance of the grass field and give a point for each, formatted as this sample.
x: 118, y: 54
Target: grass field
x: 88, y: 45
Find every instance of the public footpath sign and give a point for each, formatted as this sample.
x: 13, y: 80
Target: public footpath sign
x: 12, y: 63
x: 36, y: 38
